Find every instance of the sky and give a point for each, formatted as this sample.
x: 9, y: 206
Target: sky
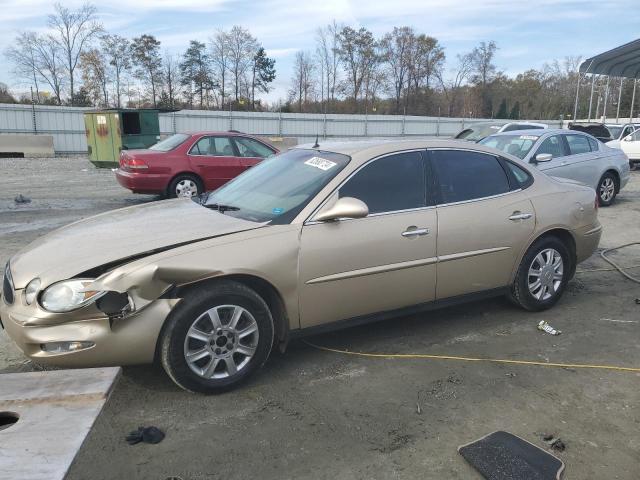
x: 528, y: 33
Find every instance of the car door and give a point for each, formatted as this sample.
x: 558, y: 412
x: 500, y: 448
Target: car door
x: 557, y: 148
x: 215, y: 159
x: 251, y: 151
x: 581, y: 163
x: 485, y: 220
x: 631, y: 145
x: 385, y: 261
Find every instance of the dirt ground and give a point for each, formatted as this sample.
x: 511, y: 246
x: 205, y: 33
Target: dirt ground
x: 314, y: 414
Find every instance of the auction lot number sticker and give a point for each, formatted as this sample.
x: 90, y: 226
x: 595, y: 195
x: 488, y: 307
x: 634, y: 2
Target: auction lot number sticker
x: 320, y: 163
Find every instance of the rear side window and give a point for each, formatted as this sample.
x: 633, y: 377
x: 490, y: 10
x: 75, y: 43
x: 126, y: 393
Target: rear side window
x: 552, y: 145
x: 464, y: 175
x: 392, y: 183
x: 593, y: 143
x: 520, y: 177
x: 578, y: 144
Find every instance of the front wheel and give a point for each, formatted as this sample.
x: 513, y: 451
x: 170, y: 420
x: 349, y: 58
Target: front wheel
x: 543, y: 275
x: 216, y: 337
x: 607, y: 189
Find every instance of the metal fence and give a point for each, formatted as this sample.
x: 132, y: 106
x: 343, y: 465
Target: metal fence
x: 66, y: 124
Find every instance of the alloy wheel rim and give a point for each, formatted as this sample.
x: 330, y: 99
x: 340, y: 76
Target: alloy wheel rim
x: 186, y: 188
x: 607, y: 188
x: 221, y: 342
x: 545, y: 274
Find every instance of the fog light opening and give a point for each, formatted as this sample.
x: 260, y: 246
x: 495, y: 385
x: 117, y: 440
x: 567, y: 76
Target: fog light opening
x: 8, y: 419
x: 64, y: 347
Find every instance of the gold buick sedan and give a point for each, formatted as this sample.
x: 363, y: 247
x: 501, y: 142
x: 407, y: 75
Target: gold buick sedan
x: 314, y: 238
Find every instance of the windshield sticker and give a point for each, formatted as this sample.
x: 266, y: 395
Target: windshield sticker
x: 528, y: 137
x: 320, y: 163
x: 277, y: 211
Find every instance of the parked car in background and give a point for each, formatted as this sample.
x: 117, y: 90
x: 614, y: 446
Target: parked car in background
x: 188, y: 164
x: 620, y: 131
x: 310, y: 239
x: 630, y: 145
x: 477, y: 132
x: 569, y: 154
x: 597, y: 130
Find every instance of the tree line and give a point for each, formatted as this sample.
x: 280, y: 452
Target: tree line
x: 350, y: 70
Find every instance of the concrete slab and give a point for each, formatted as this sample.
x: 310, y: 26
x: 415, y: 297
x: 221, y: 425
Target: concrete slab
x: 28, y: 145
x: 57, y: 409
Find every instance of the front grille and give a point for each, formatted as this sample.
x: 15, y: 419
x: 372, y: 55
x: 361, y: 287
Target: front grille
x: 7, y: 286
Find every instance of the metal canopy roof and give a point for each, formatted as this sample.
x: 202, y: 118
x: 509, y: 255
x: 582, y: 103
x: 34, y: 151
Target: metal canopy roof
x: 622, y: 61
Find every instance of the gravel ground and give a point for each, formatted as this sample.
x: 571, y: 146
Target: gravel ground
x: 315, y: 414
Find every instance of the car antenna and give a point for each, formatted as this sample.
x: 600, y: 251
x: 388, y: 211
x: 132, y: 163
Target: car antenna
x: 316, y: 145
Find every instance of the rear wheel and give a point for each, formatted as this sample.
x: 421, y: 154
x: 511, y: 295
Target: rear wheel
x: 543, y: 275
x: 216, y: 337
x: 607, y: 189
x: 185, y: 186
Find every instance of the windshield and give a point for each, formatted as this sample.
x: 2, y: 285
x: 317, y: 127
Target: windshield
x: 169, y: 143
x: 478, y: 132
x: 614, y: 131
x: 278, y: 188
x: 518, y: 145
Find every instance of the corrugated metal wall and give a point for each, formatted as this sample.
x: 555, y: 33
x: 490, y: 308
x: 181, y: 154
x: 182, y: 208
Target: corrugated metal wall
x: 66, y: 124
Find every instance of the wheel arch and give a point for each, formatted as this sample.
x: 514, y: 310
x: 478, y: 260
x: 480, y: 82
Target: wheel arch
x: 616, y: 176
x: 564, y: 235
x: 262, y: 287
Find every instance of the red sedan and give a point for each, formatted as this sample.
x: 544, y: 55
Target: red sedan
x: 187, y: 164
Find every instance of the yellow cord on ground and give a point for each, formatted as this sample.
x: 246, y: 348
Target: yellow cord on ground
x: 473, y: 359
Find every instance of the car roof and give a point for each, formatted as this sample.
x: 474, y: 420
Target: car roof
x: 371, y: 148
x: 540, y: 133
x: 225, y: 133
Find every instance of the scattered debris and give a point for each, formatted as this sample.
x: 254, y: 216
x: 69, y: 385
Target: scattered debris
x: 20, y: 199
x: 555, y: 443
x: 151, y: 435
x: 545, y: 327
x: 510, y: 374
x: 637, y: 301
x: 418, y: 409
x: 617, y: 321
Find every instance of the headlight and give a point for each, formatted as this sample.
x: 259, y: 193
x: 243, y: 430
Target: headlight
x: 68, y: 295
x: 32, y: 290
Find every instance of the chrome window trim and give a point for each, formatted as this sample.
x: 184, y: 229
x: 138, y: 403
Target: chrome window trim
x: 479, y: 199
x: 308, y: 220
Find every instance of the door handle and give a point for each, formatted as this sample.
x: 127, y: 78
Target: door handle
x: 520, y: 216
x: 415, y: 232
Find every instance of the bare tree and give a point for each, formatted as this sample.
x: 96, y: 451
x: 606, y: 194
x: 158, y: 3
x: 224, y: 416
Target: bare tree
x: 396, y: 53
x: 220, y: 53
x: 171, y: 78
x: 24, y: 57
x: 302, y: 80
x: 74, y: 30
x: 50, y: 64
x: 95, y: 76
x: 451, y: 87
x: 117, y: 51
x: 327, y: 52
x: 242, y: 48
x: 426, y: 62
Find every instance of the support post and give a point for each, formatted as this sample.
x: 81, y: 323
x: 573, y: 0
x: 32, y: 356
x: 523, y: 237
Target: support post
x: 593, y: 84
x: 404, y: 118
x: 633, y: 99
x: 438, y: 124
x: 606, y: 99
x: 619, y: 100
x: 280, y: 122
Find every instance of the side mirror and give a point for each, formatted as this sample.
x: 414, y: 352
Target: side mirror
x: 543, y: 157
x: 345, y: 207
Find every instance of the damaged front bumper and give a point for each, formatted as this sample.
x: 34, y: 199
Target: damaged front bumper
x: 97, y: 339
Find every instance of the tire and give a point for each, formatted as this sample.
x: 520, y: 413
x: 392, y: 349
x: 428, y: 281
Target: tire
x: 607, y: 189
x: 536, y: 299
x: 219, y: 358
x: 185, y: 185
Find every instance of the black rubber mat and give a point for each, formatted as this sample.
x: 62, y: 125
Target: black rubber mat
x: 503, y: 456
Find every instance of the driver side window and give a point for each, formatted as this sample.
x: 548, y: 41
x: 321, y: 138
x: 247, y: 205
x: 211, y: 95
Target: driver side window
x: 552, y: 145
x: 392, y: 183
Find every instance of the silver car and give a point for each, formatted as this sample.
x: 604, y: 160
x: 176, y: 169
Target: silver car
x: 568, y: 154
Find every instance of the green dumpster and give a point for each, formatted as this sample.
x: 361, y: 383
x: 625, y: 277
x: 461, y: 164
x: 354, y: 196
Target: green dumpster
x: 109, y: 131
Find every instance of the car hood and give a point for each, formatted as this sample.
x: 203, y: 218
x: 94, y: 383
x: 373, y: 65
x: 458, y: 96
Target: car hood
x: 119, y: 235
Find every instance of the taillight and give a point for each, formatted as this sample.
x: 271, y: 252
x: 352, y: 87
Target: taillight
x: 132, y: 163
